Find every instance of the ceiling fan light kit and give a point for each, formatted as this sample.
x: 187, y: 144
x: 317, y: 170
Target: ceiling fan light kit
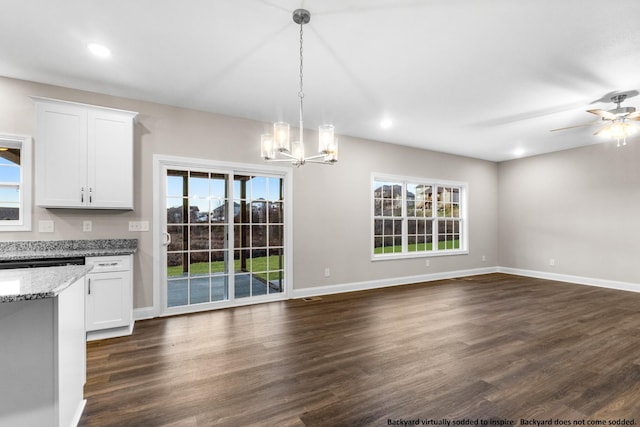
x: 279, y: 143
x: 618, y: 125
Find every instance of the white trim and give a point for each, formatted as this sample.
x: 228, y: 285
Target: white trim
x: 150, y: 312
x: 144, y: 313
x: 578, y: 280
x: 405, y: 254
x: 25, y: 144
x: 160, y: 163
x: 383, y: 283
x: 110, y: 333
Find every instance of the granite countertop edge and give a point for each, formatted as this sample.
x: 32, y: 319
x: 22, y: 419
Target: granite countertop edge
x: 44, y: 282
x: 25, y: 250
x: 14, y: 256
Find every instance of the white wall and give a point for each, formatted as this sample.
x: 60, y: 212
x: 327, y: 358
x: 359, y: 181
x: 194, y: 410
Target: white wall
x: 579, y: 207
x: 331, y: 203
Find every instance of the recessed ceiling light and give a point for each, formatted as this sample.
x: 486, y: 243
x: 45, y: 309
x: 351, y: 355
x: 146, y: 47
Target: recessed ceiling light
x: 518, y: 152
x: 386, y: 123
x: 99, y: 50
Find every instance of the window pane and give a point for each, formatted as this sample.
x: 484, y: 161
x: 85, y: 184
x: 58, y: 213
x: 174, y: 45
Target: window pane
x: 259, y: 211
x: 175, y: 265
x: 199, y: 263
x: 9, y: 211
x: 218, y: 187
x: 258, y: 236
x: 9, y: 195
x: 9, y: 173
x: 447, y: 208
x: 276, y: 215
x: 275, y: 235
x: 176, y: 181
x: 377, y: 227
x: 390, y: 195
x: 175, y: 211
x: 177, y: 238
x: 274, y: 186
x: 198, y: 237
x: 218, y: 236
x: 259, y: 188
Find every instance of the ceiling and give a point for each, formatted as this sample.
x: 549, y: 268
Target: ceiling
x: 474, y: 78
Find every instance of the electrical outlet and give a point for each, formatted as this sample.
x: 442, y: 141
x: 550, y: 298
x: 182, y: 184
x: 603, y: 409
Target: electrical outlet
x: 327, y: 272
x: 138, y: 225
x: 427, y: 263
x: 484, y: 258
x: 46, y: 226
x: 552, y: 262
x: 87, y: 226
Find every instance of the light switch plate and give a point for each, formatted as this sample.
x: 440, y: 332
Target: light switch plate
x: 138, y: 225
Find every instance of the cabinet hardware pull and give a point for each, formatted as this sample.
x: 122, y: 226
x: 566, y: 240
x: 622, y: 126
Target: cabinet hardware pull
x: 81, y: 194
x: 90, y: 195
x: 107, y: 264
x: 89, y: 282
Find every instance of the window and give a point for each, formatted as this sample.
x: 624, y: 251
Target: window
x: 415, y: 217
x: 15, y: 183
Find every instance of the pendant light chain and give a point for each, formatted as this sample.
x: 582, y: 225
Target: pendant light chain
x: 301, y: 92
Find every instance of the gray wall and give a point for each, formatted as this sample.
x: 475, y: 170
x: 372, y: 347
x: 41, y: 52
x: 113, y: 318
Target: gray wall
x: 331, y: 203
x: 579, y: 207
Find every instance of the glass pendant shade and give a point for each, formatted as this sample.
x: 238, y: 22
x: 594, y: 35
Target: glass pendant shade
x: 268, y: 148
x: 331, y: 155
x: 281, y: 136
x: 325, y: 138
x: 298, y: 151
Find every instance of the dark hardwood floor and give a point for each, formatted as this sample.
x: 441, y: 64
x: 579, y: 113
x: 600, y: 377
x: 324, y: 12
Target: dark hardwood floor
x: 488, y: 349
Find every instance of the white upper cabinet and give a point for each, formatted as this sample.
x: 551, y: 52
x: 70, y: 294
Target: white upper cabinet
x: 84, y: 156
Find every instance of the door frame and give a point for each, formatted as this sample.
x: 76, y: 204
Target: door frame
x: 163, y: 162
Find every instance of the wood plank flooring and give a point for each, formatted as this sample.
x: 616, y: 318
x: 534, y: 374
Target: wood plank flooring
x: 491, y: 349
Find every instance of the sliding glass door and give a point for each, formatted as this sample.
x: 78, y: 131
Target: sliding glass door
x: 224, y: 238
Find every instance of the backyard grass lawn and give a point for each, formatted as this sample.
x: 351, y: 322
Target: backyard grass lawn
x: 418, y: 247
x: 260, y: 264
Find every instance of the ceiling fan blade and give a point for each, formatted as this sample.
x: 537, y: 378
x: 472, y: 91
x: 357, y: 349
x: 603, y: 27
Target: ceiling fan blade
x: 576, y: 126
x: 603, y: 113
x: 634, y: 116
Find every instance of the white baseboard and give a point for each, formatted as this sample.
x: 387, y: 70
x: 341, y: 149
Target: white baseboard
x: 580, y: 280
x: 144, y: 313
x: 151, y: 312
x: 383, y: 283
x: 110, y: 333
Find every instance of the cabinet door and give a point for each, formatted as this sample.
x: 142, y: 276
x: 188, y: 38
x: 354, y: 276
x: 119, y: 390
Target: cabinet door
x: 61, y: 153
x: 110, y: 160
x: 109, y: 303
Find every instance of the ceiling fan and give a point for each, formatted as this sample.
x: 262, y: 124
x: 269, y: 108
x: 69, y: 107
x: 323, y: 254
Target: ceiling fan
x: 617, y: 125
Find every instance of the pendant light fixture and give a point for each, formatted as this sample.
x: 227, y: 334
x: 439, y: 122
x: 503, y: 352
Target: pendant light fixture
x: 279, y: 144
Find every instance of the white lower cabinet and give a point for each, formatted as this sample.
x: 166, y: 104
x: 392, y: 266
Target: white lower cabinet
x: 42, y: 355
x: 109, y: 297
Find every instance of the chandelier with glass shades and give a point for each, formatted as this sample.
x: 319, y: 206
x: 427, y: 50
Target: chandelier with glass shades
x: 277, y: 147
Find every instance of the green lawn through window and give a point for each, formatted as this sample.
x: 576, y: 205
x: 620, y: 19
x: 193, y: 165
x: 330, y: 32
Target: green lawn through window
x: 418, y: 247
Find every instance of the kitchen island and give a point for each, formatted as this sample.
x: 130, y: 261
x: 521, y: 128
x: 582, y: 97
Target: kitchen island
x: 43, y: 350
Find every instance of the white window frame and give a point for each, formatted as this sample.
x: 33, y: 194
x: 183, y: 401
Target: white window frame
x: 24, y: 143
x: 405, y: 180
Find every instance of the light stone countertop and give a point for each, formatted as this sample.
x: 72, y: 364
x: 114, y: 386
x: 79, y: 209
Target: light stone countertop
x: 37, y: 283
